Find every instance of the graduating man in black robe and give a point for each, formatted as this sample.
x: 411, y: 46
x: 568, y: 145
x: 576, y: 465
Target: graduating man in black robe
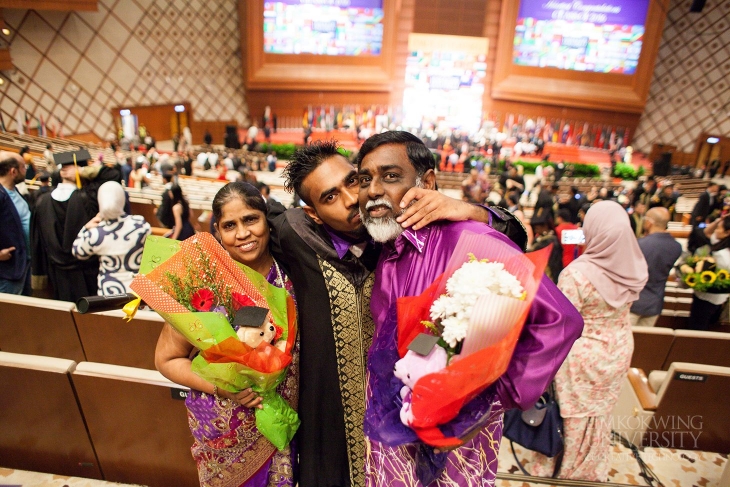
x: 330, y: 259
x: 56, y: 221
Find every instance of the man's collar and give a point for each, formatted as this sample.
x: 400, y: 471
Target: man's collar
x: 417, y: 238
x: 342, y: 242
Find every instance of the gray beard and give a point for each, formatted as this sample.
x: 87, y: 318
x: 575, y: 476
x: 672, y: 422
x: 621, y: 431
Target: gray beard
x: 385, y: 229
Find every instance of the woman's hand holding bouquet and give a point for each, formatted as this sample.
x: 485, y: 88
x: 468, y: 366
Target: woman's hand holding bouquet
x: 244, y: 327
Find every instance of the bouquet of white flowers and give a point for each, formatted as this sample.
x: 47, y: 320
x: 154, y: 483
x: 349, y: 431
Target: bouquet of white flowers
x: 451, y: 312
x: 477, y: 309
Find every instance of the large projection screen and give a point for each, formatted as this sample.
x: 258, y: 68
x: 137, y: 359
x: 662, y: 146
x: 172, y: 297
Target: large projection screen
x: 596, y: 54
x: 323, y: 45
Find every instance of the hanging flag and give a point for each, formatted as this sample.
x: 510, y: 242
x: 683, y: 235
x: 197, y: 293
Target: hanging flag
x: 2, y: 122
x: 42, y: 131
x: 612, y: 139
x: 19, y: 121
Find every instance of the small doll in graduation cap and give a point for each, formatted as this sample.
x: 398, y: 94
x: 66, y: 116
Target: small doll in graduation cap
x: 255, y: 326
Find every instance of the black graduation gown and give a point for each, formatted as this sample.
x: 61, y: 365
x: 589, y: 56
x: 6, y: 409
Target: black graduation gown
x: 54, y: 226
x: 335, y: 326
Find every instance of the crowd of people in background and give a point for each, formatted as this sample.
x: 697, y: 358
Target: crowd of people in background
x: 650, y: 206
x: 611, y: 252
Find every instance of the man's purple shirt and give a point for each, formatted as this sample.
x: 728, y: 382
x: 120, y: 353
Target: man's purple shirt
x: 407, y: 267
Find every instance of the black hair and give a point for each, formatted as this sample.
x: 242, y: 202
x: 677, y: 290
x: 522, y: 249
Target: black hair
x: 305, y: 161
x: 7, y: 164
x: 725, y: 242
x: 244, y: 191
x: 24, y: 149
x: 177, y: 197
x: 420, y: 156
x: 564, y: 213
x: 260, y: 185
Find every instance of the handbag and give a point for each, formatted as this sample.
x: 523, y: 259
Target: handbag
x: 540, y: 429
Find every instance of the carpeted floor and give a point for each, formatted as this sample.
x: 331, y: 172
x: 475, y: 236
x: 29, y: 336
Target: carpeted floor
x: 674, y: 468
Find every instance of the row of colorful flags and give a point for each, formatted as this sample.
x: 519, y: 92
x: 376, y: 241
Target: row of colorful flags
x: 569, y: 132
x: 24, y: 122
x: 331, y: 117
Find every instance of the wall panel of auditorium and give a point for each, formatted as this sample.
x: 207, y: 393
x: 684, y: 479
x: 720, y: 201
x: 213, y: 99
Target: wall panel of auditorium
x: 72, y: 68
x: 690, y: 91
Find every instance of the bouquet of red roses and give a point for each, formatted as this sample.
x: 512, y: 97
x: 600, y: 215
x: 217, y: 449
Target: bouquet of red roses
x: 203, y: 294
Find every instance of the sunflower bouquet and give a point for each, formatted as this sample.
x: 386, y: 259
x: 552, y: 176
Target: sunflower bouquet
x: 699, y: 272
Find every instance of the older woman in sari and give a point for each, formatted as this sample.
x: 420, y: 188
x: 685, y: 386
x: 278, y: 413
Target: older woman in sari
x: 228, y: 448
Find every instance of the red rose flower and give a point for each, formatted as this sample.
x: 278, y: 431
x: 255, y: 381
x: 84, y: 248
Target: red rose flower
x: 278, y: 332
x: 241, y: 300
x: 203, y: 299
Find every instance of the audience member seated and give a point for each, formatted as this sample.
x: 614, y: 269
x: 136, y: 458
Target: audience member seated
x: 601, y: 284
x: 469, y: 186
x: 661, y: 251
x: 138, y: 177
x: 115, y: 237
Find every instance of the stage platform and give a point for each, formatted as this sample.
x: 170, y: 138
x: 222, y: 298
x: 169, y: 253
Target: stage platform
x: 558, y: 152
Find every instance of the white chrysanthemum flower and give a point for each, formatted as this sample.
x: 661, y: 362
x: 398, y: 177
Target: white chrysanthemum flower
x: 471, y: 281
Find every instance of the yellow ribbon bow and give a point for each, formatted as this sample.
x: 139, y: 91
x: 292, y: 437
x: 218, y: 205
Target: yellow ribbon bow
x: 130, y: 309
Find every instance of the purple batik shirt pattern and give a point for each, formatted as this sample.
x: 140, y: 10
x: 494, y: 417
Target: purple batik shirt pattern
x: 407, y: 267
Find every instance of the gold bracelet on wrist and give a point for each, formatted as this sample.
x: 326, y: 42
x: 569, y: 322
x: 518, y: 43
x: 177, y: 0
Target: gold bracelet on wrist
x: 215, y: 391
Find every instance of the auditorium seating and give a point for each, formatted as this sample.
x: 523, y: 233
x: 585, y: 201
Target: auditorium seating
x: 651, y: 346
x: 107, y: 338
x: 701, y: 347
x: 138, y: 425
x: 687, y: 409
x: 41, y: 425
x: 39, y: 327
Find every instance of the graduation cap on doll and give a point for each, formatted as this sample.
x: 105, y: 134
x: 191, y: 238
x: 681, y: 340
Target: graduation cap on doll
x: 63, y: 158
x: 250, y: 316
x: 423, y: 344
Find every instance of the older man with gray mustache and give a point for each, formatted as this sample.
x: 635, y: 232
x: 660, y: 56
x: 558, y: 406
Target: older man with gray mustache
x: 389, y: 164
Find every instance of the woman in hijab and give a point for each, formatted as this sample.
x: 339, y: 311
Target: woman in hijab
x: 117, y: 238
x: 602, y: 283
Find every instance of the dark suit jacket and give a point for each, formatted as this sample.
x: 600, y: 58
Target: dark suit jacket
x: 12, y: 236
x: 703, y: 208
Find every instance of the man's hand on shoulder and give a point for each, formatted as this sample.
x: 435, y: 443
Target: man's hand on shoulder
x: 424, y: 206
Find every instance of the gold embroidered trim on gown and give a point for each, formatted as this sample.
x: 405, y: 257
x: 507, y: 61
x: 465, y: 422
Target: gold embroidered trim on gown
x: 353, y: 332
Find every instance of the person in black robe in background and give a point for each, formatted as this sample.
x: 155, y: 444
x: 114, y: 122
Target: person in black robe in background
x: 58, y: 217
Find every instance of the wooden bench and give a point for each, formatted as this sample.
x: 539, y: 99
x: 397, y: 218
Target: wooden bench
x: 137, y: 422
x: 107, y: 338
x: 39, y: 327
x: 42, y: 425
